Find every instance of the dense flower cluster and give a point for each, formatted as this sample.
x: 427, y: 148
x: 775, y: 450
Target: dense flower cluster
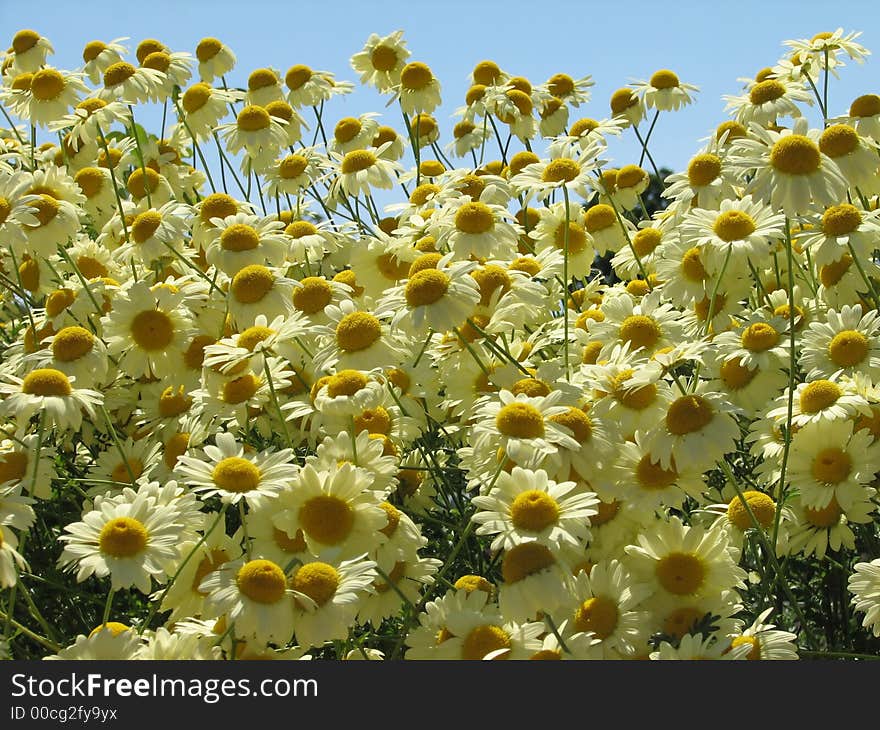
x: 516, y: 415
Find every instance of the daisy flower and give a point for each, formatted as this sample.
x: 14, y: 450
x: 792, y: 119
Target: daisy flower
x: 147, y: 329
x: 228, y: 471
x: 360, y: 339
x: 110, y: 641
x: 156, y: 233
x: 664, y: 92
x: 438, y: 298
x: 831, y: 46
x: 844, y: 228
x: 381, y: 60
x: 256, y: 132
x: 767, y: 100
x: 418, y: 90
x: 30, y: 50
x: 522, y: 426
x: 98, y: 56
x: 292, y: 173
x: 337, y: 511
x: 525, y: 505
x: 648, y: 325
x: 627, y: 106
x: 50, y: 392
x: 608, y: 608
x: 241, y: 240
x: 847, y: 342
x: 203, y: 107
x: 215, y: 59
x: 742, y: 230
x: 828, y: 460
x: 864, y: 115
x: 52, y: 94
x: 766, y: 641
x: 571, y: 168
x: 854, y: 155
x: 685, y: 562
x: 818, y: 529
x: 308, y: 87
x: 822, y: 400
x: 77, y: 353
x: 535, y: 582
x: 259, y: 290
x: 864, y: 584
x: 759, y: 343
x: 477, y: 229
x: 791, y: 171
x: 253, y: 596
x: 700, y: 647
x: 131, y: 538
x: 362, y: 170
x: 326, y: 598
x: 130, y: 85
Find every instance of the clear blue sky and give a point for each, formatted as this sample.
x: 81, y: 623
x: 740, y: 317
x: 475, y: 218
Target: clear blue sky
x: 709, y: 44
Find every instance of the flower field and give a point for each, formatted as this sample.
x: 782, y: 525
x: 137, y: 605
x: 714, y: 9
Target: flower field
x: 277, y: 383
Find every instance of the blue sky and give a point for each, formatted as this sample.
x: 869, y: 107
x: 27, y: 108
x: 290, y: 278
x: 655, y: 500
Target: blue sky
x: 707, y: 44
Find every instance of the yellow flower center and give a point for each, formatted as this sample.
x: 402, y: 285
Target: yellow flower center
x: 296, y: 76
x: 562, y: 170
x: 128, y: 471
x: 681, y: 621
x: 175, y: 447
x: 534, y: 511
x: 253, y: 119
x: 383, y: 58
x: 867, y: 105
x: 597, y: 614
x: 680, y: 573
x: 142, y: 181
x: 762, y: 505
x: 347, y: 129
x: 211, y: 562
x: 299, y: 229
x: 148, y: 46
x: 241, y: 389
x: 58, y: 301
x: 734, y: 225
x: 71, y: 343
x: 295, y: 545
x: 45, y: 208
x: 599, y: 217
x: 664, y: 79
x: 46, y: 382
x: 630, y: 176
x: 262, y: 78
x: 123, y: 537
x: 314, y: 294
x: 524, y: 560
x: 769, y: 90
x: 653, y: 476
x: 759, y: 337
x: 848, y: 348
x: 319, y: 581
x: 346, y: 382
x: 158, y: 61
x: 13, y: 466
x: 114, y: 627
x: 840, y: 220
x: 577, y: 422
x: 327, y: 519
x: 89, y: 179
x: 47, y: 84
x: 426, y: 287
x: 349, y: 278
x: 736, y: 375
x: 91, y: 105
x: 640, y: 330
x: 832, y: 273
x: 634, y: 397
x: 118, y: 73
x: 357, y: 331
x: 818, y: 395
x: 292, y: 166
x: 754, y: 652
x: 484, y: 640
x: 824, y: 517
x: 357, y: 160
x: 692, y: 266
x: 234, y: 474
x: 207, y: 49
x: 393, y: 515
x: 252, y: 283
x: 253, y: 336
x: 688, y: 414
x: 173, y: 401
x: 474, y: 218
x: 262, y: 581
x: 373, y: 420
x: 145, y: 225
x: 152, y: 330
x: 795, y: 155
x: 623, y: 99
x: 520, y: 420
x: 239, y: 237
x: 577, y: 238
x: 703, y: 169
x: 831, y: 466
x: 217, y: 205
x: 415, y: 76
x: 24, y: 40
x: 646, y: 241
x: 838, y: 140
